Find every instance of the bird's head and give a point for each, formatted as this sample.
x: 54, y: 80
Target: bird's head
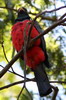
x: 22, y: 14
x: 22, y: 10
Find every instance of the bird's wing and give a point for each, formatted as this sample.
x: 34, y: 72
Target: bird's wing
x: 43, y: 44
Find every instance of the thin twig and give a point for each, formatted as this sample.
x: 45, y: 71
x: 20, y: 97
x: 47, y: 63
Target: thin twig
x: 11, y: 63
x: 29, y: 94
x: 48, y: 29
x: 9, y: 8
x: 45, y: 12
x: 55, y: 92
x: 61, y: 82
x: 15, y: 83
x: 29, y: 32
x: 38, y: 15
x: 48, y: 18
x: 25, y: 47
x: 63, y: 24
x: 14, y: 72
x: 55, y: 7
x: 20, y: 92
x: 25, y: 58
x: 62, y: 16
x: 28, y: 80
x: 4, y: 53
x: 32, y: 24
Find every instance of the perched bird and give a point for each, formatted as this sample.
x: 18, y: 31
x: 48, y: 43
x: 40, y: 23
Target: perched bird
x: 37, y: 57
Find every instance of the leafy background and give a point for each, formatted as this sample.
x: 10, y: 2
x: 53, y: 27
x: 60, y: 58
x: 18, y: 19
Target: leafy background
x: 55, y: 41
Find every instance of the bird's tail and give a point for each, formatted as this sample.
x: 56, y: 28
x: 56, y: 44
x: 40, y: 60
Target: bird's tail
x: 43, y: 84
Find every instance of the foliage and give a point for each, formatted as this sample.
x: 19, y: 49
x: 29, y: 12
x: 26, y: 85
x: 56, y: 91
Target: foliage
x: 55, y: 41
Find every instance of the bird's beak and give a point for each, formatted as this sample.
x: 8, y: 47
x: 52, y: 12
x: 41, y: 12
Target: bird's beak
x: 21, y: 9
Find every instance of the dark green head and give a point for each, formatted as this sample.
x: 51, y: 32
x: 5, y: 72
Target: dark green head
x: 22, y: 14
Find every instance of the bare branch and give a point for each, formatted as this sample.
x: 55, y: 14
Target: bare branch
x: 63, y: 24
x: 15, y: 73
x: 62, y: 16
x: 2, y: 43
x: 52, y: 19
x: 38, y: 15
x: 11, y: 63
x: 61, y: 82
x: 9, y: 8
x: 48, y: 18
x: 25, y: 47
x: 4, y: 52
x: 16, y: 83
x: 29, y: 93
x: 55, y: 92
x: 48, y: 29
x: 28, y: 80
x: 28, y: 39
x: 20, y: 92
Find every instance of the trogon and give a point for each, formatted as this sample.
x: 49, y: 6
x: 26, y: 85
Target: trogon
x: 37, y: 57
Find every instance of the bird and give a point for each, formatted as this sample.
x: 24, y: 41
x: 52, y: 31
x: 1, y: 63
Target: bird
x: 36, y: 55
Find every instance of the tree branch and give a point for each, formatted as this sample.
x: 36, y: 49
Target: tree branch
x: 29, y: 93
x: 28, y: 80
x: 61, y: 82
x: 48, y: 29
x: 48, y: 18
x: 25, y: 47
x: 4, y: 52
x: 62, y: 16
x: 20, y: 92
x: 11, y: 63
x: 15, y: 83
x: 63, y: 24
x: 9, y: 8
x: 55, y: 92
x: 15, y: 73
x: 38, y: 15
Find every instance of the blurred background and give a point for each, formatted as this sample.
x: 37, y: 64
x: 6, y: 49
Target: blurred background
x: 55, y: 42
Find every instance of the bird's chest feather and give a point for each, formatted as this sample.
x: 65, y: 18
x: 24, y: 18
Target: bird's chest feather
x: 18, y: 34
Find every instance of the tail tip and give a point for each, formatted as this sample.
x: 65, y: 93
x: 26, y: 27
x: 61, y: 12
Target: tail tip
x: 46, y: 93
